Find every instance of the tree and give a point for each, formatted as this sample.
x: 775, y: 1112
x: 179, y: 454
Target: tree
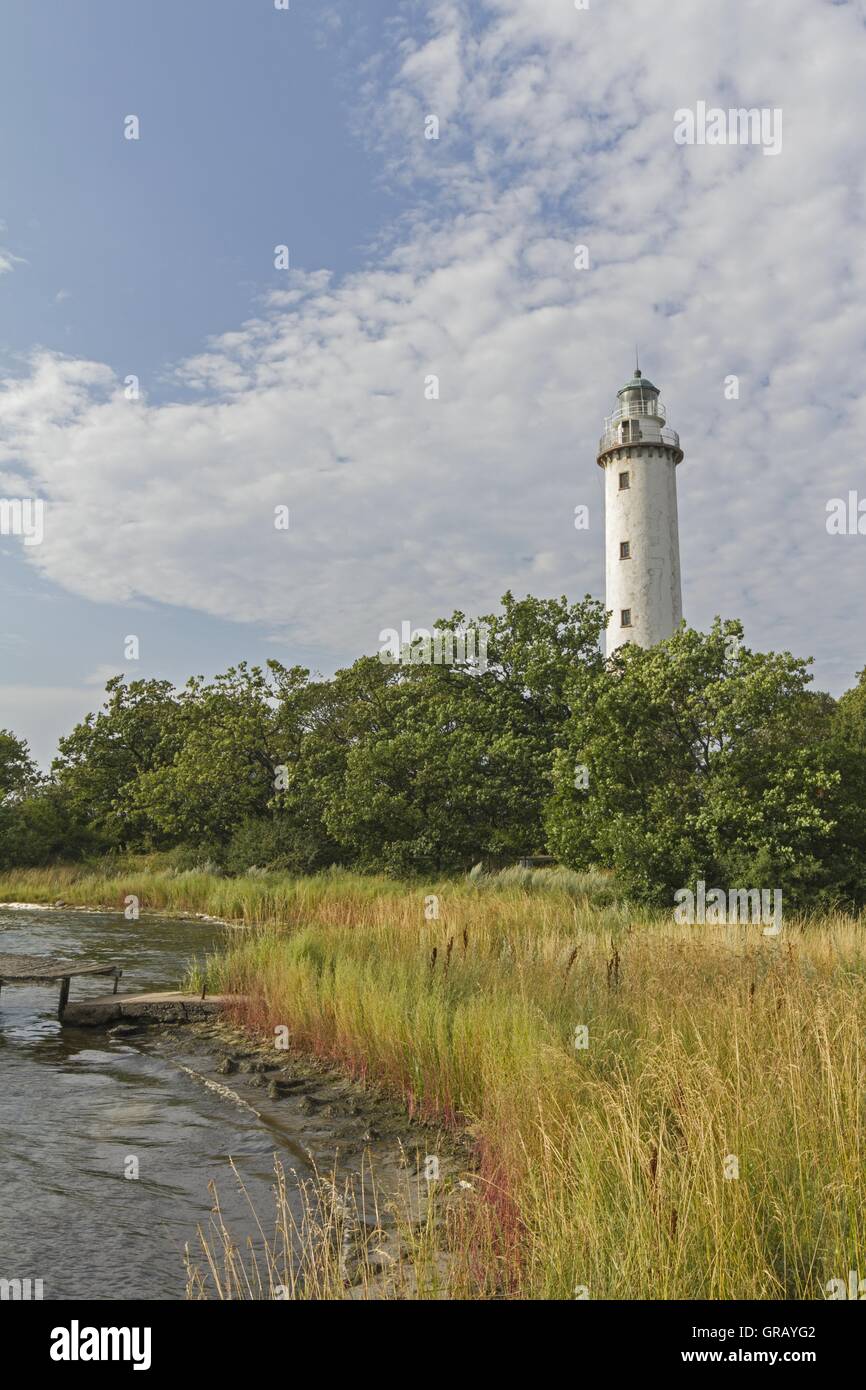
x: 39, y: 828
x: 17, y: 769
x: 695, y: 759
x: 140, y: 728
x: 456, y: 765
x: 850, y: 714
x: 706, y: 760
x: 224, y: 767
x: 36, y: 825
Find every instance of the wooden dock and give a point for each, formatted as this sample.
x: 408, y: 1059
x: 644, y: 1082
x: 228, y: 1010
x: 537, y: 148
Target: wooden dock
x: 171, y: 1007
x: 43, y: 970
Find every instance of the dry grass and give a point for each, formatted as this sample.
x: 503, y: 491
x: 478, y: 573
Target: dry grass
x: 325, y: 1239
x: 711, y: 1050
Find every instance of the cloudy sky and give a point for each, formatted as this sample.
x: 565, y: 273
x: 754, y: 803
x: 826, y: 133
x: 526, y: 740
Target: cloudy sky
x: 412, y: 257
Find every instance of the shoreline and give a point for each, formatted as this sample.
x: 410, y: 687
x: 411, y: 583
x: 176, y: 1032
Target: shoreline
x: 355, y: 1135
x: 605, y: 1063
x: 175, y: 913
x: 356, y: 1140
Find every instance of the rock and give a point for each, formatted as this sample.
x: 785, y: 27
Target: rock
x: 353, y: 1272
x: 227, y: 1066
x: 278, y: 1088
x: 378, y: 1261
x: 123, y: 1030
x: 291, y: 1083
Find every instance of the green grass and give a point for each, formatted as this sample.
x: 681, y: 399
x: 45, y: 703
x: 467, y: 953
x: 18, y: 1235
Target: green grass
x: 710, y: 1049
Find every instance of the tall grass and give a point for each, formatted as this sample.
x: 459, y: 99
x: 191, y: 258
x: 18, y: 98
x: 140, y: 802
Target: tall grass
x: 706, y: 1143
x: 323, y: 1237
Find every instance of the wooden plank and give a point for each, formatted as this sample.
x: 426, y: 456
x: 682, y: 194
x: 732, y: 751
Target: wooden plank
x: 36, y: 969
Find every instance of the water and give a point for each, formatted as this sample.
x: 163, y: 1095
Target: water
x: 75, y: 1104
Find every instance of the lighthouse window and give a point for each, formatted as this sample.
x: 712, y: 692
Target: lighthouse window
x: 625, y: 617
x: 625, y: 550
x: 624, y: 482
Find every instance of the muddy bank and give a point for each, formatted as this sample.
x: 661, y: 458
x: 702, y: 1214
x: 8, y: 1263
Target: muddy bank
x: 402, y: 1173
x: 330, y: 1112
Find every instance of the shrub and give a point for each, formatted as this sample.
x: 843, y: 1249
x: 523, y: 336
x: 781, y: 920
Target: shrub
x: 272, y: 842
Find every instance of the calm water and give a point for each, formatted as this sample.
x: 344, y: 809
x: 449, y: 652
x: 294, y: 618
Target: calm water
x: 75, y: 1103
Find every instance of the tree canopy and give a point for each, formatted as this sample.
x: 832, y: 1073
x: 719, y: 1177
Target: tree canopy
x: 706, y: 760
x: 698, y: 758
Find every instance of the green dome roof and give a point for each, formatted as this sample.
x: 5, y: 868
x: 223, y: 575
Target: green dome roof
x: 638, y: 383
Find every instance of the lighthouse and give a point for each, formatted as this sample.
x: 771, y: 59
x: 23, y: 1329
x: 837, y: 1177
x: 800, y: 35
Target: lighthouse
x: 639, y: 454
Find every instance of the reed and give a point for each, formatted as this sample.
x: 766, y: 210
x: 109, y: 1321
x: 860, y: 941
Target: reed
x: 324, y: 1238
x: 706, y: 1142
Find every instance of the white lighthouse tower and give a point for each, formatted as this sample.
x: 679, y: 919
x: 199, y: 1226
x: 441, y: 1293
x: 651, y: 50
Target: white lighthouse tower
x: 639, y: 455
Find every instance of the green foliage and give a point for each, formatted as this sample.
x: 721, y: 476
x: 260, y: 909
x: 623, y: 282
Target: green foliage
x: 224, y: 767
x: 41, y: 829
x: 455, y: 766
x: 35, y: 822
x: 409, y: 768
x: 850, y: 715
x: 100, y: 765
x: 706, y: 760
x: 17, y: 769
x: 274, y: 842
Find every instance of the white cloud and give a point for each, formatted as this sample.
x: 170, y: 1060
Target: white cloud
x: 8, y: 261
x: 557, y: 128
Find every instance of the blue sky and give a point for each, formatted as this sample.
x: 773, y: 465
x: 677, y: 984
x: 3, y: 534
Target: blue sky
x: 412, y: 257
x: 164, y: 242
x: 134, y: 254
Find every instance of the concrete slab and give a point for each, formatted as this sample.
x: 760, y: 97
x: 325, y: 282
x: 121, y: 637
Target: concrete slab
x: 145, y: 1008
